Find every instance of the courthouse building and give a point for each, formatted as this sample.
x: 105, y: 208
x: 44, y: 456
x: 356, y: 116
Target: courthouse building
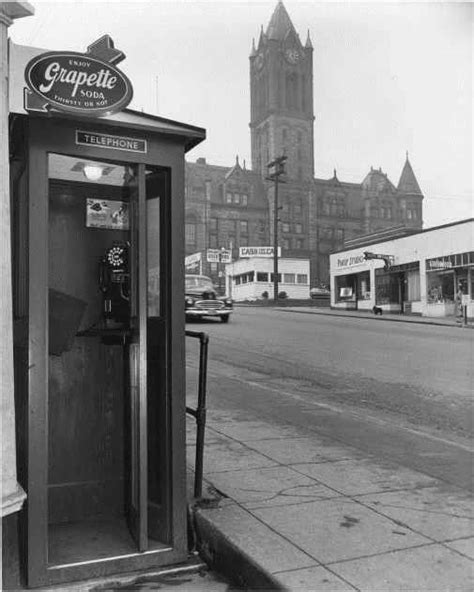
x: 231, y: 207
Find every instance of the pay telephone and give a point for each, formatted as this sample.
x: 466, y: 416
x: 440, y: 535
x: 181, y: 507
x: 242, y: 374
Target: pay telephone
x: 114, y: 283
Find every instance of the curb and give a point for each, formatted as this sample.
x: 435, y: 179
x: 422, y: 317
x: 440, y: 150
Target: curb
x: 373, y: 318
x: 129, y: 580
x: 228, y: 559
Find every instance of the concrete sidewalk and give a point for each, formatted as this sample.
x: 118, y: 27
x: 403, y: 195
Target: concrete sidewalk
x: 289, y: 512
x: 368, y: 315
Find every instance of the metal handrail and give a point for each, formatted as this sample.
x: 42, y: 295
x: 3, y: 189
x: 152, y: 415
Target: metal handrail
x: 200, y: 412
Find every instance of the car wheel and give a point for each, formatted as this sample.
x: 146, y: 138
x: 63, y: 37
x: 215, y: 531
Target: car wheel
x: 225, y: 318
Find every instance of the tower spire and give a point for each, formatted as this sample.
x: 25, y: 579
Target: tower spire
x: 280, y: 24
x: 253, y: 52
x: 261, y: 39
x: 281, y: 115
x: 408, y: 183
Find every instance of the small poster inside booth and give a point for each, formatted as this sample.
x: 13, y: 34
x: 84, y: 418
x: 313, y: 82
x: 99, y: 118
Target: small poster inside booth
x: 105, y: 213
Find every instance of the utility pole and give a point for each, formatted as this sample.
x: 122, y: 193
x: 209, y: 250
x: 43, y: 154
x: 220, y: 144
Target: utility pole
x: 276, y: 168
x: 221, y: 268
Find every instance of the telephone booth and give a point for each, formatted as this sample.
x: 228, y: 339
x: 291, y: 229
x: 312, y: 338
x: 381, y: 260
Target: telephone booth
x: 98, y: 251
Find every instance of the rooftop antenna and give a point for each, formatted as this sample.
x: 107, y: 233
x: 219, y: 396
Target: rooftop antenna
x: 156, y: 94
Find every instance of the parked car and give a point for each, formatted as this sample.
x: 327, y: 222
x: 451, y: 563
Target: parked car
x: 319, y: 292
x: 202, y: 301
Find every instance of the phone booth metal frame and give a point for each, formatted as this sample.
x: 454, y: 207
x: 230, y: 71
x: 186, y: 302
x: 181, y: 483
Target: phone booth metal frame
x: 166, y: 143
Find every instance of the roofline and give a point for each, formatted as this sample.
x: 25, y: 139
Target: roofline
x: 339, y: 182
x: 387, y: 240
x: 194, y: 128
x: 222, y: 168
x: 195, y: 134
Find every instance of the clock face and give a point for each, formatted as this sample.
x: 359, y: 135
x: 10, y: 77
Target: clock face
x: 292, y: 55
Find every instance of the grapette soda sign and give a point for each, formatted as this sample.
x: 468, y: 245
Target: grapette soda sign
x: 80, y: 83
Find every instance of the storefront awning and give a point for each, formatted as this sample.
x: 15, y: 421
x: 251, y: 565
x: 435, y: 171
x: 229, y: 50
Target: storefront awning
x: 412, y: 266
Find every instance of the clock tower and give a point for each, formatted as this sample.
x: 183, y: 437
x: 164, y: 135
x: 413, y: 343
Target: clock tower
x: 281, y: 89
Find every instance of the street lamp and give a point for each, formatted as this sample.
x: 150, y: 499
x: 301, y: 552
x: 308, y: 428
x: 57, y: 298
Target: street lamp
x: 276, y: 168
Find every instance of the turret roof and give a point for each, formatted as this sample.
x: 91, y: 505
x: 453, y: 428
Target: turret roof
x: 236, y: 169
x: 280, y: 24
x: 408, y: 182
x: 377, y: 181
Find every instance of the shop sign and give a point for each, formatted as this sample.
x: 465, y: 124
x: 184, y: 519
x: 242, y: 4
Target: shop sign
x: 350, y: 261
x: 219, y: 256
x: 192, y: 263
x: 345, y: 292
x: 84, y: 84
x: 439, y: 264
x: 192, y: 259
x: 450, y: 261
x: 257, y: 252
x: 109, y: 141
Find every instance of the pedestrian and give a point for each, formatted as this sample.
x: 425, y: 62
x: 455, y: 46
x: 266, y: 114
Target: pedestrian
x: 458, y: 304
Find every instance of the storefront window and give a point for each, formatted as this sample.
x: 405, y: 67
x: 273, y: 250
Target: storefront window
x: 387, y: 289
x: 363, y: 286
x: 440, y: 287
x: 462, y: 281
x: 345, y: 288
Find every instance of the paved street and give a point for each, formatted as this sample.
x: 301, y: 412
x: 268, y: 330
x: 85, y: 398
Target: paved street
x: 337, y: 453
x: 399, y: 391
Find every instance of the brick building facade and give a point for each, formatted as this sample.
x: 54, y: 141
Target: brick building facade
x: 230, y: 207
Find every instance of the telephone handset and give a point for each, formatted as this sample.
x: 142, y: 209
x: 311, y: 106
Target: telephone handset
x: 114, y: 283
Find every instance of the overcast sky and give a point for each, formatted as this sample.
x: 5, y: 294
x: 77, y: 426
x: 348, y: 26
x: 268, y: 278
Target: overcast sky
x: 388, y: 77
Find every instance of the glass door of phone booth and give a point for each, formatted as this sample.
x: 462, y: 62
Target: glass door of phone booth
x: 99, y: 461
x: 106, y: 365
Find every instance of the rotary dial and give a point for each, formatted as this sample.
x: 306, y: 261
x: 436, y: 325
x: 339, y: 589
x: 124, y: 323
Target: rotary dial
x: 115, y: 256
